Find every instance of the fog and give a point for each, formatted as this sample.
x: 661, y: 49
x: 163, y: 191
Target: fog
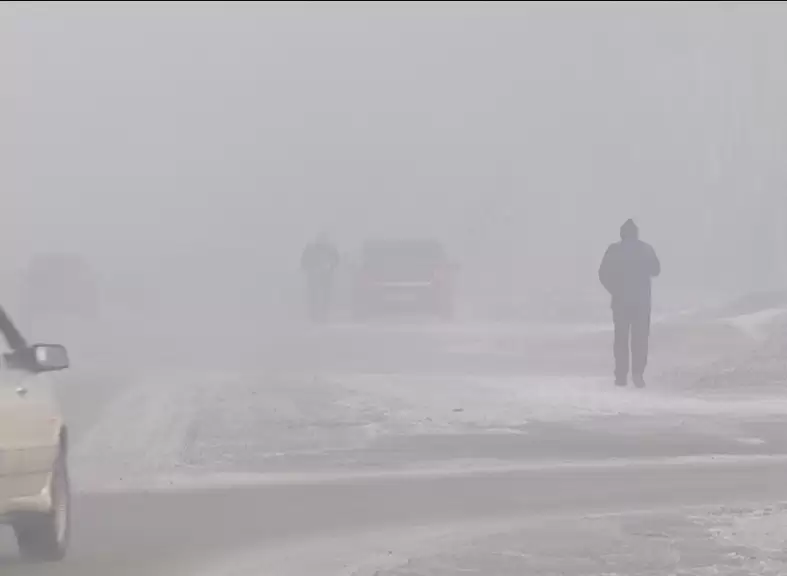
x: 190, y: 151
x: 169, y: 171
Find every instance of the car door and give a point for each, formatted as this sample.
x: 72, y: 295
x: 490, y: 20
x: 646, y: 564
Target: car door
x: 29, y: 428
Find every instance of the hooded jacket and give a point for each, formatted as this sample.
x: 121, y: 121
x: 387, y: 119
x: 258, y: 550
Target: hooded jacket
x: 628, y: 267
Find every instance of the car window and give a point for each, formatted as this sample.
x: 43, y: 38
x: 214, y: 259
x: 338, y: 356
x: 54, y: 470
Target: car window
x: 403, y: 258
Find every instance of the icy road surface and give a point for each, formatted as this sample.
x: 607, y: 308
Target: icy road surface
x: 209, y: 470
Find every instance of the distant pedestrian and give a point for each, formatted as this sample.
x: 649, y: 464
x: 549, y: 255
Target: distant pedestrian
x: 626, y: 272
x: 319, y: 262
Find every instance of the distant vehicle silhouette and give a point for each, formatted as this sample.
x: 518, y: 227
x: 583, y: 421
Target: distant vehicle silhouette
x: 412, y: 276
x: 319, y: 262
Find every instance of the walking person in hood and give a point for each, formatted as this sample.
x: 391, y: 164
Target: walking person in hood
x: 626, y: 272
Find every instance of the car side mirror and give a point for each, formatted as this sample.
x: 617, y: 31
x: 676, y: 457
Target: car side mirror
x: 49, y: 357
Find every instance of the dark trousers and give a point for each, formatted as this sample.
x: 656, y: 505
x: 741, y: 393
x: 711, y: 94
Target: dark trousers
x: 632, y: 326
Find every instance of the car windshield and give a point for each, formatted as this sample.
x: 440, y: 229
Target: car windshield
x: 12, y: 339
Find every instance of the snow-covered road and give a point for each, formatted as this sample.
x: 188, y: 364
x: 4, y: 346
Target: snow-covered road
x: 167, y: 422
x: 290, y: 460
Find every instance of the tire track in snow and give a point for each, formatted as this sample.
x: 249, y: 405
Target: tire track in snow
x: 144, y: 431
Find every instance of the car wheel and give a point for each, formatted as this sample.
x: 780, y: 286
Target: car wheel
x: 45, y: 536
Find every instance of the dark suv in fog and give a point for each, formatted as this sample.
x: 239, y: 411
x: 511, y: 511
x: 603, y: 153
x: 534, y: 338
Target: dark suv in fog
x: 404, y: 277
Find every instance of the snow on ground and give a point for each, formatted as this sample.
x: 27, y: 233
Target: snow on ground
x: 276, y: 415
x: 440, y: 404
x: 369, y: 553
x: 170, y: 421
x: 205, y: 479
x: 762, y: 530
x: 685, y: 542
x: 691, y: 541
x: 167, y: 421
x: 761, y: 365
x: 756, y: 324
x: 178, y: 423
x: 144, y: 431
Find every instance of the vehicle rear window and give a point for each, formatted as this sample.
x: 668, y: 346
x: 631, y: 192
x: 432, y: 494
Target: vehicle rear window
x: 403, y: 260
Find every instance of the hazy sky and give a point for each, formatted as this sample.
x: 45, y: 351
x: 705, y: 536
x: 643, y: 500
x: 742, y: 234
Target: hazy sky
x: 523, y: 134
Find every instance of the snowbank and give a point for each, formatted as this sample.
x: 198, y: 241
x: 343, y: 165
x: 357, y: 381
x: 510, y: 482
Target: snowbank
x: 756, y: 324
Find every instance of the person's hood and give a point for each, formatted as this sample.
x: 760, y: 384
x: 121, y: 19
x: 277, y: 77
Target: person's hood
x: 629, y: 230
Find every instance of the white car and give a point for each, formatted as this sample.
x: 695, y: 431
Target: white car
x: 34, y: 488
